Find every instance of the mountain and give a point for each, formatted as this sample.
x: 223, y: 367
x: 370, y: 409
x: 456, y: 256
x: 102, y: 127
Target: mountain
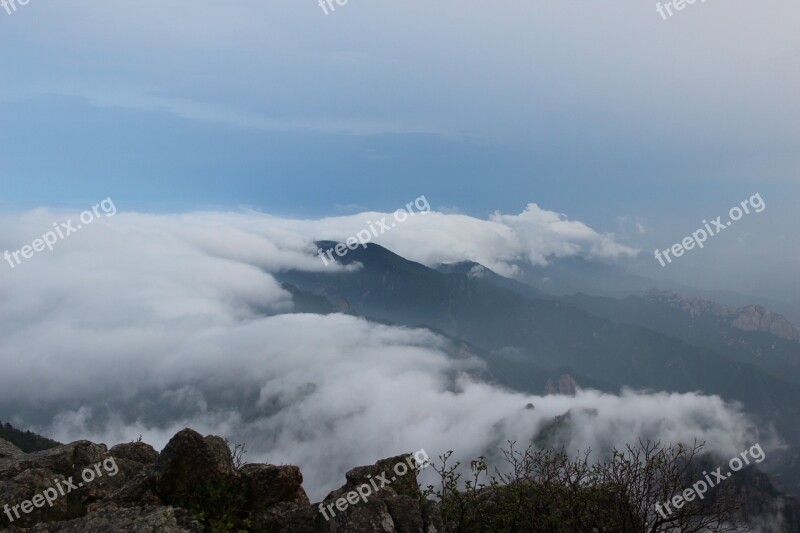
x: 526, y: 334
x: 749, y: 334
x: 571, y: 275
x: 25, y: 440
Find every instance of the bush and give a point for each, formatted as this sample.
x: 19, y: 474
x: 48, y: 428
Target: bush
x: 547, y: 491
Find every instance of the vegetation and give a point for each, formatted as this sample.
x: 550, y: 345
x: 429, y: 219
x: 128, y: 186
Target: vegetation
x: 220, y: 505
x: 237, y: 454
x: 547, y: 491
x: 25, y: 440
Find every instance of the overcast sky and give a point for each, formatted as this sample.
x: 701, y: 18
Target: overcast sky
x: 634, y: 125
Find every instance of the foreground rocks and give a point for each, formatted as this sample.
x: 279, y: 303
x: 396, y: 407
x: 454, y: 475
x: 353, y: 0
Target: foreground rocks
x: 191, y: 486
x: 8, y: 450
x: 397, y: 506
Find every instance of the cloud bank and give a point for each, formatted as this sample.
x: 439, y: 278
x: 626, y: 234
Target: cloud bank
x: 145, y: 324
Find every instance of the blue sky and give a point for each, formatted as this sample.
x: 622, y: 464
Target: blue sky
x: 606, y: 113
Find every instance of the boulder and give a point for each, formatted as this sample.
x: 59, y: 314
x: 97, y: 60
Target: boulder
x: 276, y: 498
x: 270, y: 484
x: 138, y: 452
x: 190, y: 461
x: 396, y: 506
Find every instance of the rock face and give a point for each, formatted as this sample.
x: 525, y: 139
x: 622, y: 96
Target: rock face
x: 757, y: 318
x: 749, y: 318
x: 191, y: 483
x: 161, y: 519
x: 8, y: 450
x: 378, y: 499
x: 190, y: 460
x: 566, y: 385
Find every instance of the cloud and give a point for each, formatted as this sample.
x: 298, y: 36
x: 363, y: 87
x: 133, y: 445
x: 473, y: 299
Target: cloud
x: 535, y: 236
x: 144, y: 324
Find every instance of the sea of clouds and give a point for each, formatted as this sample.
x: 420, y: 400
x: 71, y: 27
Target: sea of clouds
x: 144, y: 324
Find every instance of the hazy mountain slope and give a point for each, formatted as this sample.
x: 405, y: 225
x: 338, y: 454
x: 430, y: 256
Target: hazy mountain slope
x: 707, y: 325
x: 547, y: 333
x: 572, y: 275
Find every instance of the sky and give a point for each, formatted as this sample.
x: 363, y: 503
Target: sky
x: 607, y: 113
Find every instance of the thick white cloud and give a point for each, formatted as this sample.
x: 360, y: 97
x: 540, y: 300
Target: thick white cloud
x: 534, y: 236
x: 144, y: 324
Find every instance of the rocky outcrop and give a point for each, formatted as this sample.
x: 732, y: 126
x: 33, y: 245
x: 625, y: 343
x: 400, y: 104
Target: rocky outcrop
x: 190, y: 460
x: 25, y: 478
x: 749, y: 318
x: 377, y: 498
x: 8, y: 450
x: 757, y: 318
x: 566, y: 385
x: 193, y: 486
x: 150, y: 519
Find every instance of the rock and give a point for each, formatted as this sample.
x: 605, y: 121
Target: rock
x: 269, y: 484
x: 432, y: 517
x: 395, y: 507
x: 371, y: 516
x: 67, y: 460
x: 405, y: 481
x: 566, y: 386
x: 406, y: 513
x: 133, y: 488
x: 138, y: 452
x: 24, y: 486
x: 134, y: 520
x: 749, y: 318
x: 757, y: 318
x: 139, y: 490
x: 284, y: 517
x: 8, y: 450
x: 276, y: 498
x: 190, y: 461
x: 59, y: 471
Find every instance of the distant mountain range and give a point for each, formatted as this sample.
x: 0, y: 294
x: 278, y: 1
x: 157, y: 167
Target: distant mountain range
x: 539, y: 342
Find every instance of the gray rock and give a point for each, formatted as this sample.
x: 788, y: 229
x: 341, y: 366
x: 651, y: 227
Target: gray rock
x: 26, y: 477
x: 395, y: 507
x: 67, y: 460
x: 134, y: 520
x: 138, y: 452
x: 270, y: 484
x: 190, y: 461
x: 8, y: 450
x: 147, y: 489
